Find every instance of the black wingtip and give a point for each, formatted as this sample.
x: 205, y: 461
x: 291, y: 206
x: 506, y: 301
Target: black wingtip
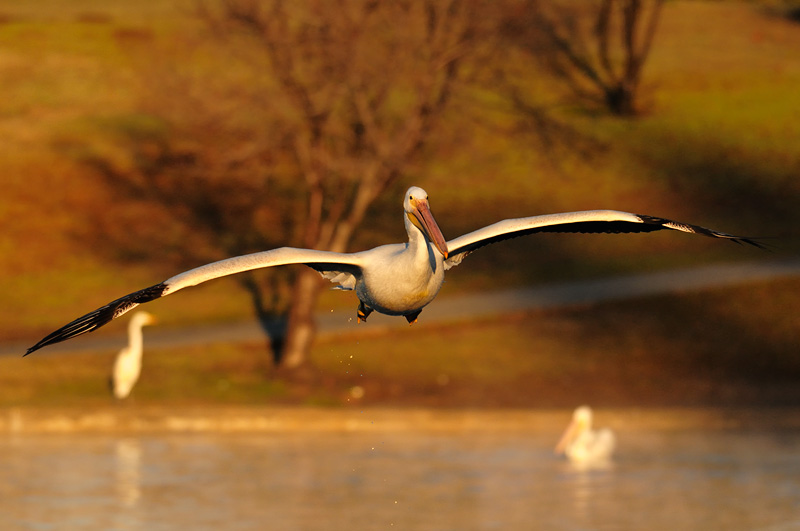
x: 748, y: 241
x: 696, y: 229
x: 740, y: 240
x: 757, y: 242
x: 99, y: 317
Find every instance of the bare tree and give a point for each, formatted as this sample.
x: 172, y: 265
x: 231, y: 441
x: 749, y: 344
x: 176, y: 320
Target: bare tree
x: 330, y: 103
x: 598, y: 49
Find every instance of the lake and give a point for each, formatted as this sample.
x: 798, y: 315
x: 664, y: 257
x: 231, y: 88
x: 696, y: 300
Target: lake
x: 741, y: 478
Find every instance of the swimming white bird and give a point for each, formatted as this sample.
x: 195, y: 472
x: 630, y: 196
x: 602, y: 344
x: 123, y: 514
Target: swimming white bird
x: 128, y: 364
x: 581, y: 444
x: 395, y: 279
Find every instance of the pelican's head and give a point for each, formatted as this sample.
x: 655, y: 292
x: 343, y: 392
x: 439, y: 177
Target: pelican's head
x: 419, y: 214
x: 583, y: 416
x: 581, y: 422
x: 142, y: 318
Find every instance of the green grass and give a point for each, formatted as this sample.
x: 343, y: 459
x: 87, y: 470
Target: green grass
x: 718, y: 348
x: 717, y: 145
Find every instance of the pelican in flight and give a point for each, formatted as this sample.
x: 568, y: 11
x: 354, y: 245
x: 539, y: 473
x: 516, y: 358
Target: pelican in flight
x: 581, y: 444
x: 396, y: 279
x: 128, y: 363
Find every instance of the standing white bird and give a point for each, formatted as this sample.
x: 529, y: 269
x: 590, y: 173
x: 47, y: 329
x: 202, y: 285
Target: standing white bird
x: 395, y: 279
x: 128, y: 364
x: 581, y: 444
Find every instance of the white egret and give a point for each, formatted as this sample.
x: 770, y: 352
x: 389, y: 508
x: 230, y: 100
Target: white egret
x: 395, y: 279
x: 585, y: 446
x: 128, y: 363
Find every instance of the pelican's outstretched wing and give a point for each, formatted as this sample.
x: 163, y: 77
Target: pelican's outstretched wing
x: 336, y: 267
x: 589, y: 221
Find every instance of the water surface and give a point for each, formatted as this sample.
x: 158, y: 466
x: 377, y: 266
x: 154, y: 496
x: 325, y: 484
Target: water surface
x: 743, y: 479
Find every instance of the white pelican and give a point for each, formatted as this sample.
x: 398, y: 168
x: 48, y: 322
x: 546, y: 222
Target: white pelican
x: 582, y: 445
x: 395, y: 279
x: 128, y: 364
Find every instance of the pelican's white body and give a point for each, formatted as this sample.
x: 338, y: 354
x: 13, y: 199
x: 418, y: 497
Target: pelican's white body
x: 409, y: 277
x: 581, y: 444
x: 128, y: 363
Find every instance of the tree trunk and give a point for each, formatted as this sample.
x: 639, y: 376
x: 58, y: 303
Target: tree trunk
x: 301, y: 328
x: 620, y: 99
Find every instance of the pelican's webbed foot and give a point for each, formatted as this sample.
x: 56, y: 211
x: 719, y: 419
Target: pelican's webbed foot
x: 363, y: 312
x: 412, y: 317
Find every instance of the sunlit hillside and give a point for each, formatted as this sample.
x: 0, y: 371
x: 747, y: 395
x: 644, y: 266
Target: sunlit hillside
x: 717, y: 144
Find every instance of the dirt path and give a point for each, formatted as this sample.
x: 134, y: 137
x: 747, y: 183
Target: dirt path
x: 465, y: 307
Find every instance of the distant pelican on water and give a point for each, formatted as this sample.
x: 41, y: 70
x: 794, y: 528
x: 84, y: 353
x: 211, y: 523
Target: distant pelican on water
x: 396, y: 279
x: 581, y: 444
x: 128, y: 364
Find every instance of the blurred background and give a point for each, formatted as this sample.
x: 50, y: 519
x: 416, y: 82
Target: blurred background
x: 144, y: 139
x: 140, y: 139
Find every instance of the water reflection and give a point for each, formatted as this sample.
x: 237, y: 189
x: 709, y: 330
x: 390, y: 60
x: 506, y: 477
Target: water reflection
x: 708, y: 480
x: 128, y: 453
x: 587, y: 479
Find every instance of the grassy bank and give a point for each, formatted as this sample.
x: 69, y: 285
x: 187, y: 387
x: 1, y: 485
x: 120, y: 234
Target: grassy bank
x: 718, y: 348
x: 717, y: 145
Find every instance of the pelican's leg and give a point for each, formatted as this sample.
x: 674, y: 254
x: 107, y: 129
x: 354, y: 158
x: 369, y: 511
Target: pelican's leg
x: 412, y: 317
x: 363, y: 312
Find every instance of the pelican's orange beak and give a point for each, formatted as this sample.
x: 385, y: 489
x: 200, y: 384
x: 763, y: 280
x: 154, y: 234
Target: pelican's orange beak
x: 571, y: 432
x: 423, y: 219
